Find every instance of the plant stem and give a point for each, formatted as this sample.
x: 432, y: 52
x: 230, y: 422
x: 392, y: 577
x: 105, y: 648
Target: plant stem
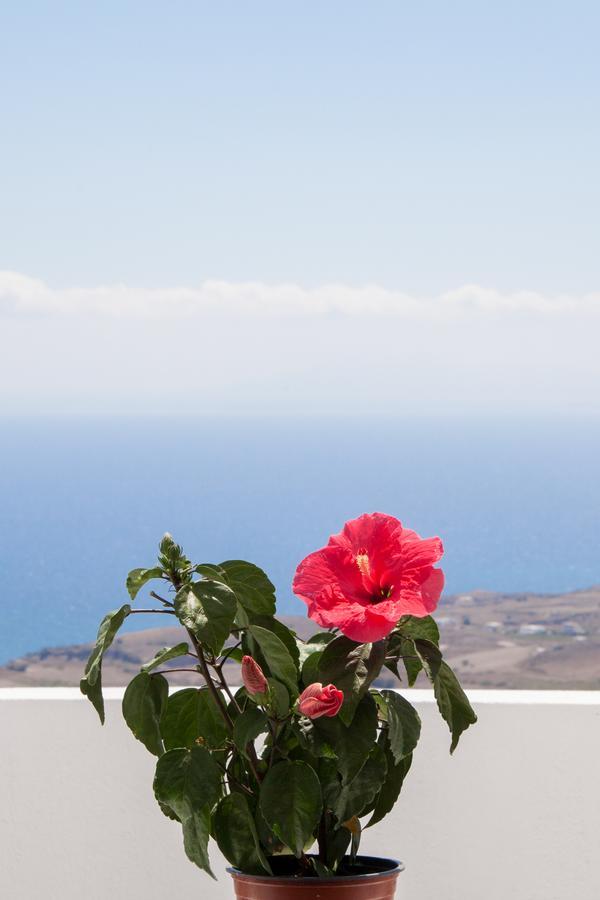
x: 159, y: 612
x: 227, y: 653
x: 218, y: 669
x: 322, y: 839
x: 216, y: 693
x: 233, y: 780
x: 210, y: 683
x: 161, y: 599
x: 169, y: 671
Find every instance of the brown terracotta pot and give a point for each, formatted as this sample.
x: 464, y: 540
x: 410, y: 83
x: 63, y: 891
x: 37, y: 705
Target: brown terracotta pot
x: 377, y: 881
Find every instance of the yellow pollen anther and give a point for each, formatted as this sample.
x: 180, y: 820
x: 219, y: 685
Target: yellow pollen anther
x: 362, y: 561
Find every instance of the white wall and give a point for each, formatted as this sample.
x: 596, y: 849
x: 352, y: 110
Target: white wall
x: 514, y: 815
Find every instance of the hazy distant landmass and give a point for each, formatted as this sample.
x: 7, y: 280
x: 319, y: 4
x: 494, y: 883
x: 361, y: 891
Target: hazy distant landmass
x: 492, y: 640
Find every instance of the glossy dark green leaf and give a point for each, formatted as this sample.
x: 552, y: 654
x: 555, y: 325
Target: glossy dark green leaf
x: 250, y: 584
x: 143, y: 705
x: 404, y: 725
x: 320, y: 869
x: 291, y: 803
x: 320, y: 743
x: 278, y: 659
x: 187, y: 780
x: 352, y: 668
x: 419, y: 628
x: 310, y: 666
x: 192, y: 716
x: 208, y: 609
x: 236, y: 655
x: 352, y: 743
x: 411, y: 660
x: 236, y: 834
x: 321, y: 638
x: 137, y: 578
x: 91, y: 683
x: 165, y: 655
x: 248, y: 726
x: 196, y: 834
x: 338, y: 841
x: 390, y: 789
x: 430, y: 657
x: 314, y: 644
x: 452, y: 703
x: 285, y: 635
x: 183, y: 780
x: 279, y: 699
x: 356, y: 795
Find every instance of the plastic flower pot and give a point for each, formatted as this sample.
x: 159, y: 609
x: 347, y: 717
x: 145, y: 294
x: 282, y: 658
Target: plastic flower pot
x: 370, y: 878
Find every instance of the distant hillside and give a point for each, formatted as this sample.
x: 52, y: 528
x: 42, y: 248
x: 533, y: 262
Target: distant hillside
x: 492, y: 640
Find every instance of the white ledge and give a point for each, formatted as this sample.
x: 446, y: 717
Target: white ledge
x: 568, y: 698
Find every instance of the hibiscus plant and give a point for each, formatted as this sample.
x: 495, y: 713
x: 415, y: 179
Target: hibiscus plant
x: 307, y: 751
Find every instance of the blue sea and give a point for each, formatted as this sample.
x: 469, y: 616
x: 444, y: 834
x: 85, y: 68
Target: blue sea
x: 82, y: 501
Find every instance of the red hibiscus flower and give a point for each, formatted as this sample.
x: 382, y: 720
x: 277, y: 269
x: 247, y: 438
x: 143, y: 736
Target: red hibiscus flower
x: 253, y: 677
x: 369, y: 576
x: 317, y: 701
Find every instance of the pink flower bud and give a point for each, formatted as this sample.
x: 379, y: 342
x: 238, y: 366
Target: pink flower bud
x: 318, y: 701
x: 253, y: 676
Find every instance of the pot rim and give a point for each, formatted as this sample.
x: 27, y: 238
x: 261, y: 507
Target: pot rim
x: 393, y: 869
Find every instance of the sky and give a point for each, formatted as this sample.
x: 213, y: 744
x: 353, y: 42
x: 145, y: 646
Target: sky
x: 317, y: 207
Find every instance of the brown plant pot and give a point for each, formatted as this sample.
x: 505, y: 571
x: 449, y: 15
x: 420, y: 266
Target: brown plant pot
x: 370, y: 878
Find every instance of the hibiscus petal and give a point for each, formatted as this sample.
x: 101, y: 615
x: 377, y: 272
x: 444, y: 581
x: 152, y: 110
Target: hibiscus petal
x: 371, y: 530
x: 418, y: 552
x: 432, y: 588
x: 326, y: 566
x: 369, y: 623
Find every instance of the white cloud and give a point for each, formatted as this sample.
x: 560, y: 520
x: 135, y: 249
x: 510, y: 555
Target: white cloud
x: 21, y: 295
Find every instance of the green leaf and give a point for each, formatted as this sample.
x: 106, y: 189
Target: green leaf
x: 190, y: 715
x: 186, y: 779
x: 414, y: 627
x: 277, y: 657
x: 404, y: 725
x: 236, y: 655
x: 351, y: 667
x: 430, y: 657
x: 355, y: 796
x: 248, y: 726
x: 320, y: 743
x: 208, y: 609
x: 279, y: 699
x: 452, y: 703
x: 196, y: 834
x: 337, y: 844
x: 165, y: 655
x: 390, y: 789
x: 250, y: 584
x: 91, y: 683
x: 235, y: 832
x: 314, y: 644
x: 285, y: 635
x: 137, y: 578
x: 143, y: 705
x: 291, y: 803
x: 412, y: 663
x: 320, y: 869
x: 310, y: 667
x: 352, y: 743
x: 189, y: 783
